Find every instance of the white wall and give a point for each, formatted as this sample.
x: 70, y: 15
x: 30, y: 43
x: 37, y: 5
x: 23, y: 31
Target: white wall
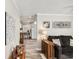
x: 26, y: 27
x: 14, y: 40
x: 52, y: 31
x: 34, y: 31
x: 51, y: 18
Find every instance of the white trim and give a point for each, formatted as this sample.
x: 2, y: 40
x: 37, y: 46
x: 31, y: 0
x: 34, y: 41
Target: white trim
x: 54, y: 14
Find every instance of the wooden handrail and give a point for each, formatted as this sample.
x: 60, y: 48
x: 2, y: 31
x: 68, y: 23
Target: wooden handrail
x: 48, y: 49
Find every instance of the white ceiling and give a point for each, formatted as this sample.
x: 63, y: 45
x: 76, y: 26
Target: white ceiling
x: 28, y: 8
x: 31, y: 7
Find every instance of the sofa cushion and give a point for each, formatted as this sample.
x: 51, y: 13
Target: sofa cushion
x: 65, y: 40
x: 56, y: 41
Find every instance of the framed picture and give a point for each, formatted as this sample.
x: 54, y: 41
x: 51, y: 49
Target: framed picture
x: 61, y: 24
x: 46, y: 24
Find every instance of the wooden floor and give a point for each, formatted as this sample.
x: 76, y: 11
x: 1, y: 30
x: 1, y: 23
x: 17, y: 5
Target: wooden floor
x: 32, y: 51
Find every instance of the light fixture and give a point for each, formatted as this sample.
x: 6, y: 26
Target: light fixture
x: 35, y: 22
